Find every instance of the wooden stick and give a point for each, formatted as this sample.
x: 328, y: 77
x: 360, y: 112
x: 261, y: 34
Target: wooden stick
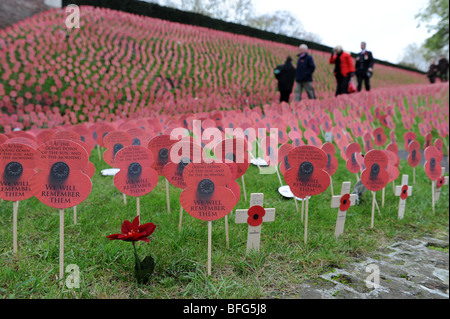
x: 331, y: 184
x: 61, y: 243
x: 181, y: 218
x: 167, y: 196
x: 99, y: 153
x: 75, y: 214
x: 209, y: 246
x: 138, y: 207
x: 226, y: 232
x: 373, y: 210
x: 124, y: 199
x: 279, y: 177
x: 296, y: 204
x: 243, y: 187
x: 303, y: 209
x: 432, y: 195
x: 383, y: 191
x: 414, y: 175
x: 15, y: 213
x: 306, y: 221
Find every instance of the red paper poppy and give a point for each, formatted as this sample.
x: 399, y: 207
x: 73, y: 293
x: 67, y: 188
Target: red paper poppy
x: 160, y: 147
x: 428, y: 138
x: 379, y: 138
x: 132, y: 231
x: 307, y: 177
x: 375, y: 176
x: 17, y: 163
x: 440, y: 182
x: 439, y: 144
x: 233, y: 152
x: 255, y: 215
x: 312, y: 138
x: 409, y: 137
x: 270, y: 147
x: 283, y: 157
x: 404, y: 193
x: 392, y: 167
x: 60, y: 182
x: 3, y: 138
x: 206, y: 196
x: 392, y: 147
x: 136, y: 177
x: 181, y: 154
x: 114, y: 141
x: 296, y: 138
x: 354, y: 158
x: 433, y: 158
x: 345, y: 202
x: 414, y: 155
x: 367, y: 142
x: 332, y: 162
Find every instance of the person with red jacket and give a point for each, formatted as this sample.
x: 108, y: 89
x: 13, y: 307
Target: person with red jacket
x: 344, y: 69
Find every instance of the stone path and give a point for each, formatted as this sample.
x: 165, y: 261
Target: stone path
x: 413, y: 269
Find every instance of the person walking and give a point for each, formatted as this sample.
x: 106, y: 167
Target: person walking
x: 285, y: 74
x: 443, y: 68
x: 364, y: 67
x: 304, y: 73
x: 432, y: 71
x: 343, y: 70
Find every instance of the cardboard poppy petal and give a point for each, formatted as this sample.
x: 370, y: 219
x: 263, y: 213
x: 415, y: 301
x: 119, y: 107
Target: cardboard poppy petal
x: 217, y: 206
x: 70, y: 152
x: 255, y: 215
x: 316, y: 184
x: 217, y: 172
x: 160, y: 147
x: 72, y: 192
x: 133, y: 186
x: 131, y: 154
x: 236, y: 189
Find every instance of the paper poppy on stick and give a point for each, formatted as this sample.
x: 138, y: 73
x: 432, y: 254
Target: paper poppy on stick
x: 414, y: 155
x: 270, y: 147
x: 61, y: 182
x: 296, y: 138
x: 160, y: 147
x: 332, y: 162
x: 354, y: 158
x: 307, y: 176
x: 233, y: 152
x: 408, y: 138
x: 375, y: 176
x: 433, y: 158
x: 379, y: 137
x: 17, y: 163
x: 255, y: 215
x: 114, y: 141
x: 367, y: 142
x: 206, y: 196
x: 136, y: 177
x: 283, y: 157
x: 392, y: 167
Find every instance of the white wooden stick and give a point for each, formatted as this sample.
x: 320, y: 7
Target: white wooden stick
x: 181, y: 218
x: 383, y: 191
x: 209, y: 246
x: 243, y: 188
x: 331, y: 184
x: 373, y: 210
x: 226, y: 232
x: 75, y: 214
x: 61, y: 243
x: 138, y: 207
x: 303, y: 209
x: 296, y: 204
x: 432, y: 194
x: 306, y: 220
x: 414, y: 175
x: 124, y: 199
x: 167, y: 196
x: 15, y: 213
x: 278, y: 174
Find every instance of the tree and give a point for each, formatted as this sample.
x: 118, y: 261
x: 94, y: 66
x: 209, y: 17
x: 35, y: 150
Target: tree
x: 436, y: 18
x: 414, y: 57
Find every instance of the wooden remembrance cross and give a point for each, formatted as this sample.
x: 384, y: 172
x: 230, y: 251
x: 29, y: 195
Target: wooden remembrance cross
x: 336, y: 203
x: 403, y: 191
x: 254, y: 232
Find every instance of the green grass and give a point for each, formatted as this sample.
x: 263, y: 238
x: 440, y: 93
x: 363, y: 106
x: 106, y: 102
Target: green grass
x: 106, y: 267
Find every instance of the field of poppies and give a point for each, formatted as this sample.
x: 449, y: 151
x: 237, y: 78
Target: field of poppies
x: 108, y: 96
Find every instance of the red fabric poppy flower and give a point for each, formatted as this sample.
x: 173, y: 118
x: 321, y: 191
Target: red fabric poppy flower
x: 345, y: 202
x: 61, y: 182
x: 136, y: 177
x: 433, y: 158
x: 404, y: 193
x: 332, y: 162
x: 375, y: 176
x: 307, y: 176
x: 17, y: 163
x: 408, y: 138
x: 354, y: 157
x: 114, y: 141
x: 181, y: 154
x: 233, y: 152
x: 160, y: 147
x: 379, y: 137
x: 255, y: 215
x: 206, y: 196
x: 414, y: 155
x: 132, y: 231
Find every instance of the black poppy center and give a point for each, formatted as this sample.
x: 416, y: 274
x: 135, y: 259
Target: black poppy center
x: 413, y: 155
x: 344, y: 202
x: 163, y: 155
x: 13, y: 170
x: 205, y: 188
x: 286, y: 162
x: 59, y: 172
x: 136, y: 141
x: 432, y: 163
x: 306, y: 169
x: 353, y: 159
x: 374, y: 170
x: 255, y: 216
x: 231, y: 157
x: 117, y: 147
x: 379, y: 137
x: 134, y: 170
x: 328, y: 160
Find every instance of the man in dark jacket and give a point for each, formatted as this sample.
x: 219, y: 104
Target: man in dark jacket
x: 303, y: 75
x: 443, y: 68
x: 364, y: 67
x: 285, y: 74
